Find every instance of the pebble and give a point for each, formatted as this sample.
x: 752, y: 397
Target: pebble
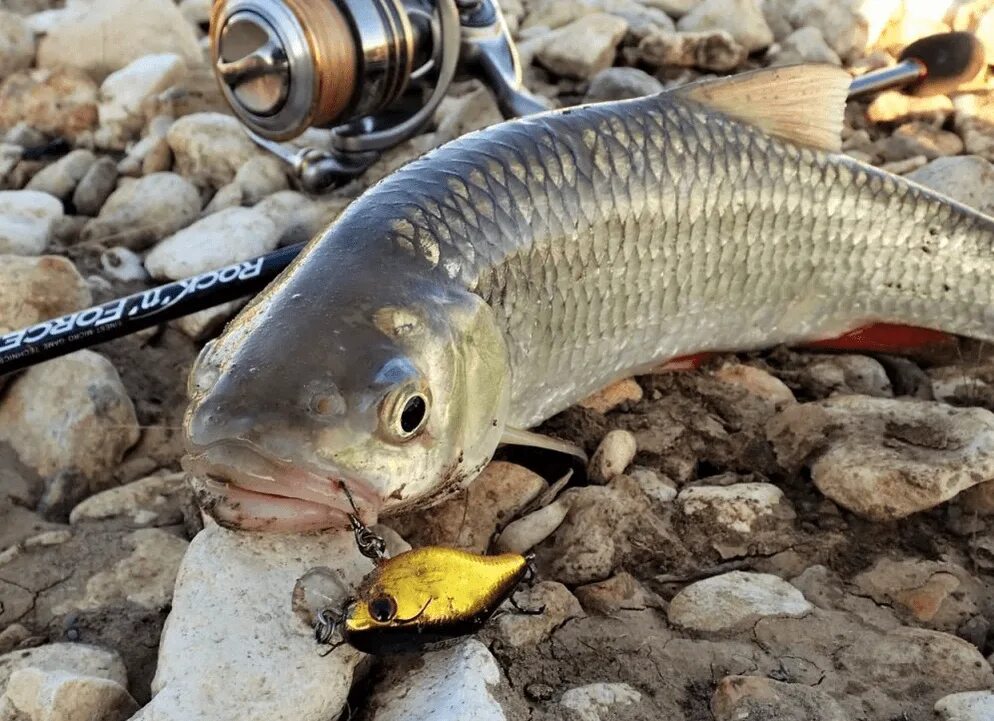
x: 892, y: 106
x: 124, y: 93
x: 103, y: 36
x: 456, y: 683
x: 140, y: 213
x: 755, y: 697
x: 621, y: 84
x: 973, y: 122
x: 739, y: 519
x: 521, y: 535
x: 967, y: 178
x: 613, y: 456
x: 59, y: 696
x: 918, y: 138
x: 298, y: 217
x: 78, y: 659
x: 620, y: 592
x: 12, y: 637
x: 27, y: 220
x: 979, y: 499
x: 673, y: 8
x: 233, y: 649
x: 260, y: 177
x: 584, y: 47
x: 734, y: 601
x: 742, y: 19
x: 556, y: 603
x: 844, y: 31
x: 95, y: 187
x: 966, y: 706
x: 845, y: 374
x: 598, y: 701
x: 653, y: 484
x: 885, y: 459
x: 713, y: 50
x: 901, y: 167
x: 469, y: 519
x: 756, y: 382
x: 153, y: 501
x: 209, y: 148
x: 17, y: 44
x: 804, y: 45
x: 940, y: 595
x: 228, y: 236
x: 34, y: 289
x: 614, y: 395
x: 61, y: 177
x: 206, y: 323
x: 59, y: 103
x: 71, y: 421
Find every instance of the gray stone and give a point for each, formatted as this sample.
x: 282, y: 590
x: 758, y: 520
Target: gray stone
x: 27, y: 218
x: 740, y: 518
x: 919, y: 138
x: 805, y: 45
x: 621, y: 84
x: 968, y: 179
x: 125, y: 93
x: 843, y: 28
x: 76, y: 658
x: 153, y: 501
x: 557, y: 605
x: 95, y: 187
x: 710, y: 50
x: 598, y: 701
x: 742, y: 19
x: 260, y: 177
x: 886, y: 459
x: 584, y: 47
x: 755, y: 697
x: 35, y: 289
x: 298, y: 217
x: 229, y: 236
x: 62, y: 696
x: 521, y: 535
x: 141, y: 212
x: 61, y: 177
x: 734, y: 601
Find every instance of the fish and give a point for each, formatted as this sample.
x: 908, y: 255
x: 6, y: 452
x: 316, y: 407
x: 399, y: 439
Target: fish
x: 506, y: 275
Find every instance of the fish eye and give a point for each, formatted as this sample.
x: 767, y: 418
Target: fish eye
x: 383, y: 608
x: 405, y: 413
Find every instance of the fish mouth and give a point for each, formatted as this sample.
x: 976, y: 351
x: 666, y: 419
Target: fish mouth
x: 242, y: 488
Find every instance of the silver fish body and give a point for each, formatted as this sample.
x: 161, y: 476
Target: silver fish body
x: 601, y: 240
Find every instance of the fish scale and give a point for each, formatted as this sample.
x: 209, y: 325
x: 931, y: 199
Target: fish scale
x: 601, y: 240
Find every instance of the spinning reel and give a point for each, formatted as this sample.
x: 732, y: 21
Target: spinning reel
x: 373, y: 71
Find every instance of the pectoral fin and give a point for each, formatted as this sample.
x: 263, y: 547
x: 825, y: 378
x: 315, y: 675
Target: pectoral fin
x: 520, y: 437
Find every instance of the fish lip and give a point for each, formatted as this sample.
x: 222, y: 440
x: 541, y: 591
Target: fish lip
x: 259, y: 473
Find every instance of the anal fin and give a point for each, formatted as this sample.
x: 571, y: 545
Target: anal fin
x: 885, y: 338
x: 521, y: 437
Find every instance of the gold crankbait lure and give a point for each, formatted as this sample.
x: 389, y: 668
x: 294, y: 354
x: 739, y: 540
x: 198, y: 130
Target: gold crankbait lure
x: 420, y: 598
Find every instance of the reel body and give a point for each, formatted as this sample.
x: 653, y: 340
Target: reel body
x: 373, y: 71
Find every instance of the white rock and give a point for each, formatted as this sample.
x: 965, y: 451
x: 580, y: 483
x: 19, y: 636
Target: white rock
x: 105, y: 35
x: 584, y: 47
x: 141, y: 212
x: 805, y: 45
x: 233, y: 649
x: 843, y: 28
x: 229, y: 236
x: 742, y: 19
x: 968, y: 179
x: 673, y: 8
x: 614, y: 454
x: 521, y: 535
x: 708, y: 50
x: 884, y: 458
x: 123, y: 264
x: 210, y: 148
x: 26, y: 221
x: 60, y: 696
x: 17, y: 44
x: 123, y: 92
x: 298, y: 217
x: 596, y: 701
x: 61, y: 177
x: 260, y: 177
x: 451, y: 684
x: 757, y: 382
x: 737, y: 507
x: 79, y: 659
x: 966, y: 706
x: 35, y: 289
x: 71, y: 420
x: 149, y: 501
x: 59, y: 102
x: 734, y: 601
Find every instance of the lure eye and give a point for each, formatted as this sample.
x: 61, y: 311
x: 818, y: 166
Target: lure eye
x: 383, y: 608
x: 405, y: 414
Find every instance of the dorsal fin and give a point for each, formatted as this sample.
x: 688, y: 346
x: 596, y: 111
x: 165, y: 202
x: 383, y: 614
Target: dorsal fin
x: 802, y: 104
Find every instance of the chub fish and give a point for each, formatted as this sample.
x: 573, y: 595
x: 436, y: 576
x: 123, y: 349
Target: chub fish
x: 508, y: 274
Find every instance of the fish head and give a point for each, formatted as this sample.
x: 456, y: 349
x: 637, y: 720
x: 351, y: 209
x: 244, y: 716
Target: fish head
x: 396, y: 393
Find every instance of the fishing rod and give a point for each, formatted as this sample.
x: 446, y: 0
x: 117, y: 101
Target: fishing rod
x: 931, y: 65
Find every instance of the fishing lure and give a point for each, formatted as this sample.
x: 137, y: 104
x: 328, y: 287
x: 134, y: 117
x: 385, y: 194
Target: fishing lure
x: 421, y: 598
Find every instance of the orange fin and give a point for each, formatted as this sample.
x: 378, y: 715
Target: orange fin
x: 885, y: 338
x: 684, y: 363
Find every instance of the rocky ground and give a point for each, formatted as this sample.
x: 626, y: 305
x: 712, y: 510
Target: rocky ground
x: 781, y: 535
